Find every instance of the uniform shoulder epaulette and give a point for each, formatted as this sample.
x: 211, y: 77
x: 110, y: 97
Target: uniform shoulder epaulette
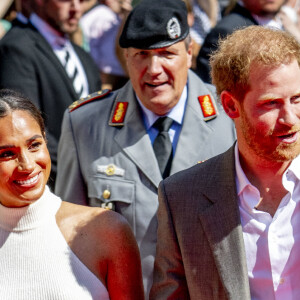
x: 95, y: 96
x: 118, y: 113
x: 208, y: 107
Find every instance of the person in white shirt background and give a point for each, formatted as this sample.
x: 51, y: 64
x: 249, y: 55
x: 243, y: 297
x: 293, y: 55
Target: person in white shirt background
x: 101, y: 25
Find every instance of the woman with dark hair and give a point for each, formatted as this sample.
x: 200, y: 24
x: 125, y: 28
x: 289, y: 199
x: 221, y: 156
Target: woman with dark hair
x: 50, y: 249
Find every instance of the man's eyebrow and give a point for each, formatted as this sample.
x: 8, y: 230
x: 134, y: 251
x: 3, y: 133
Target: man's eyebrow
x: 6, y: 146
x: 269, y: 97
x: 37, y: 136
x: 275, y: 96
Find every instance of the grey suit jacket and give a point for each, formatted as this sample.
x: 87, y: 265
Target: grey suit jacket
x: 200, y: 247
x: 88, y: 145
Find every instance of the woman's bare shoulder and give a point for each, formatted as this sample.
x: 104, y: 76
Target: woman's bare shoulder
x: 97, y: 236
x: 70, y: 210
x: 94, y: 221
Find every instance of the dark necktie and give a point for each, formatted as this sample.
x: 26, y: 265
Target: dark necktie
x: 162, y: 145
x: 73, y: 73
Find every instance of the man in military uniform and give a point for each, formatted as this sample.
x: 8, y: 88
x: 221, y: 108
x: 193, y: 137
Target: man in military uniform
x: 108, y: 152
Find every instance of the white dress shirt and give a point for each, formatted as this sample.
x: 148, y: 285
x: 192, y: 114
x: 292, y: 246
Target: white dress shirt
x: 272, y: 244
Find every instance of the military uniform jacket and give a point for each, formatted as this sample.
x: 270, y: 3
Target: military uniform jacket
x: 89, y: 146
x: 200, y: 247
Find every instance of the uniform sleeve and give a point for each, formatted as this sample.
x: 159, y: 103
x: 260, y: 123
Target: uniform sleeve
x: 169, y: 277
x: 69, y: 182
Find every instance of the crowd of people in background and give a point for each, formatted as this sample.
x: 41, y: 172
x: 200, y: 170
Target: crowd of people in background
x: 101, y: 24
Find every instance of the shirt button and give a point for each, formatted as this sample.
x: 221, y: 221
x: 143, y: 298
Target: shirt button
x: 281, y: 281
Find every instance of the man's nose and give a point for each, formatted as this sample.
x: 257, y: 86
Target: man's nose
x: 76, y: 5
x: 154, y: 65
x: 289, y: 115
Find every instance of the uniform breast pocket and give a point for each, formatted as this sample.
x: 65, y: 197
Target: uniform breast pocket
x: 115, y: 194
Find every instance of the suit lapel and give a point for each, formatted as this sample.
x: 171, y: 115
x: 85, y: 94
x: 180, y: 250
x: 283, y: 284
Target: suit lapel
x: 43, y: 46
x: 193, y: 140
x: 134, y: 139
x: 222, y: 225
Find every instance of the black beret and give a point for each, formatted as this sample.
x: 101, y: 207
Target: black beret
x: 155, y: 24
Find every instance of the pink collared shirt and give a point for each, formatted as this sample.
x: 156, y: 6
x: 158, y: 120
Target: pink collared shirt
x: 272, y: 244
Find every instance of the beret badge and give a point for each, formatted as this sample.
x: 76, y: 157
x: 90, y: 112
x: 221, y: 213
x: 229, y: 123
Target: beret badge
x: 173, y: 28
x: 154, y: 24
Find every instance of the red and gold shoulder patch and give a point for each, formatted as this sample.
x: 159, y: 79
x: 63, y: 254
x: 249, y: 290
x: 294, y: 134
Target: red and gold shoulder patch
x: 89, y: 98
x: 118, y: 113
x: 208, y: 107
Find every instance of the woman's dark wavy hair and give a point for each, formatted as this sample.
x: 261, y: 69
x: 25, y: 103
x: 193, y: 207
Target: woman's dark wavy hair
x: 11, y: 101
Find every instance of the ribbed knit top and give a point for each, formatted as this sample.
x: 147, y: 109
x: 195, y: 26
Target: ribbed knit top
x: 35, y: 259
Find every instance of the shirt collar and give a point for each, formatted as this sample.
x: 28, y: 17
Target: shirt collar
x: 20, y: 17
x: 52, y: 36
x: 267, y: 22
x: 242, y: 181
x: 295, y: 167
x: 176, y: 113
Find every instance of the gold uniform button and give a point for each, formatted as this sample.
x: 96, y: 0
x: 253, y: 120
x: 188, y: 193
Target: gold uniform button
x: 106, y: 194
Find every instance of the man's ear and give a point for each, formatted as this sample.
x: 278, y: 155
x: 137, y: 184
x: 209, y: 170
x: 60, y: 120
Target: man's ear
x: 125, y: 52
x: 190, y: 54
x: 230, y: 105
